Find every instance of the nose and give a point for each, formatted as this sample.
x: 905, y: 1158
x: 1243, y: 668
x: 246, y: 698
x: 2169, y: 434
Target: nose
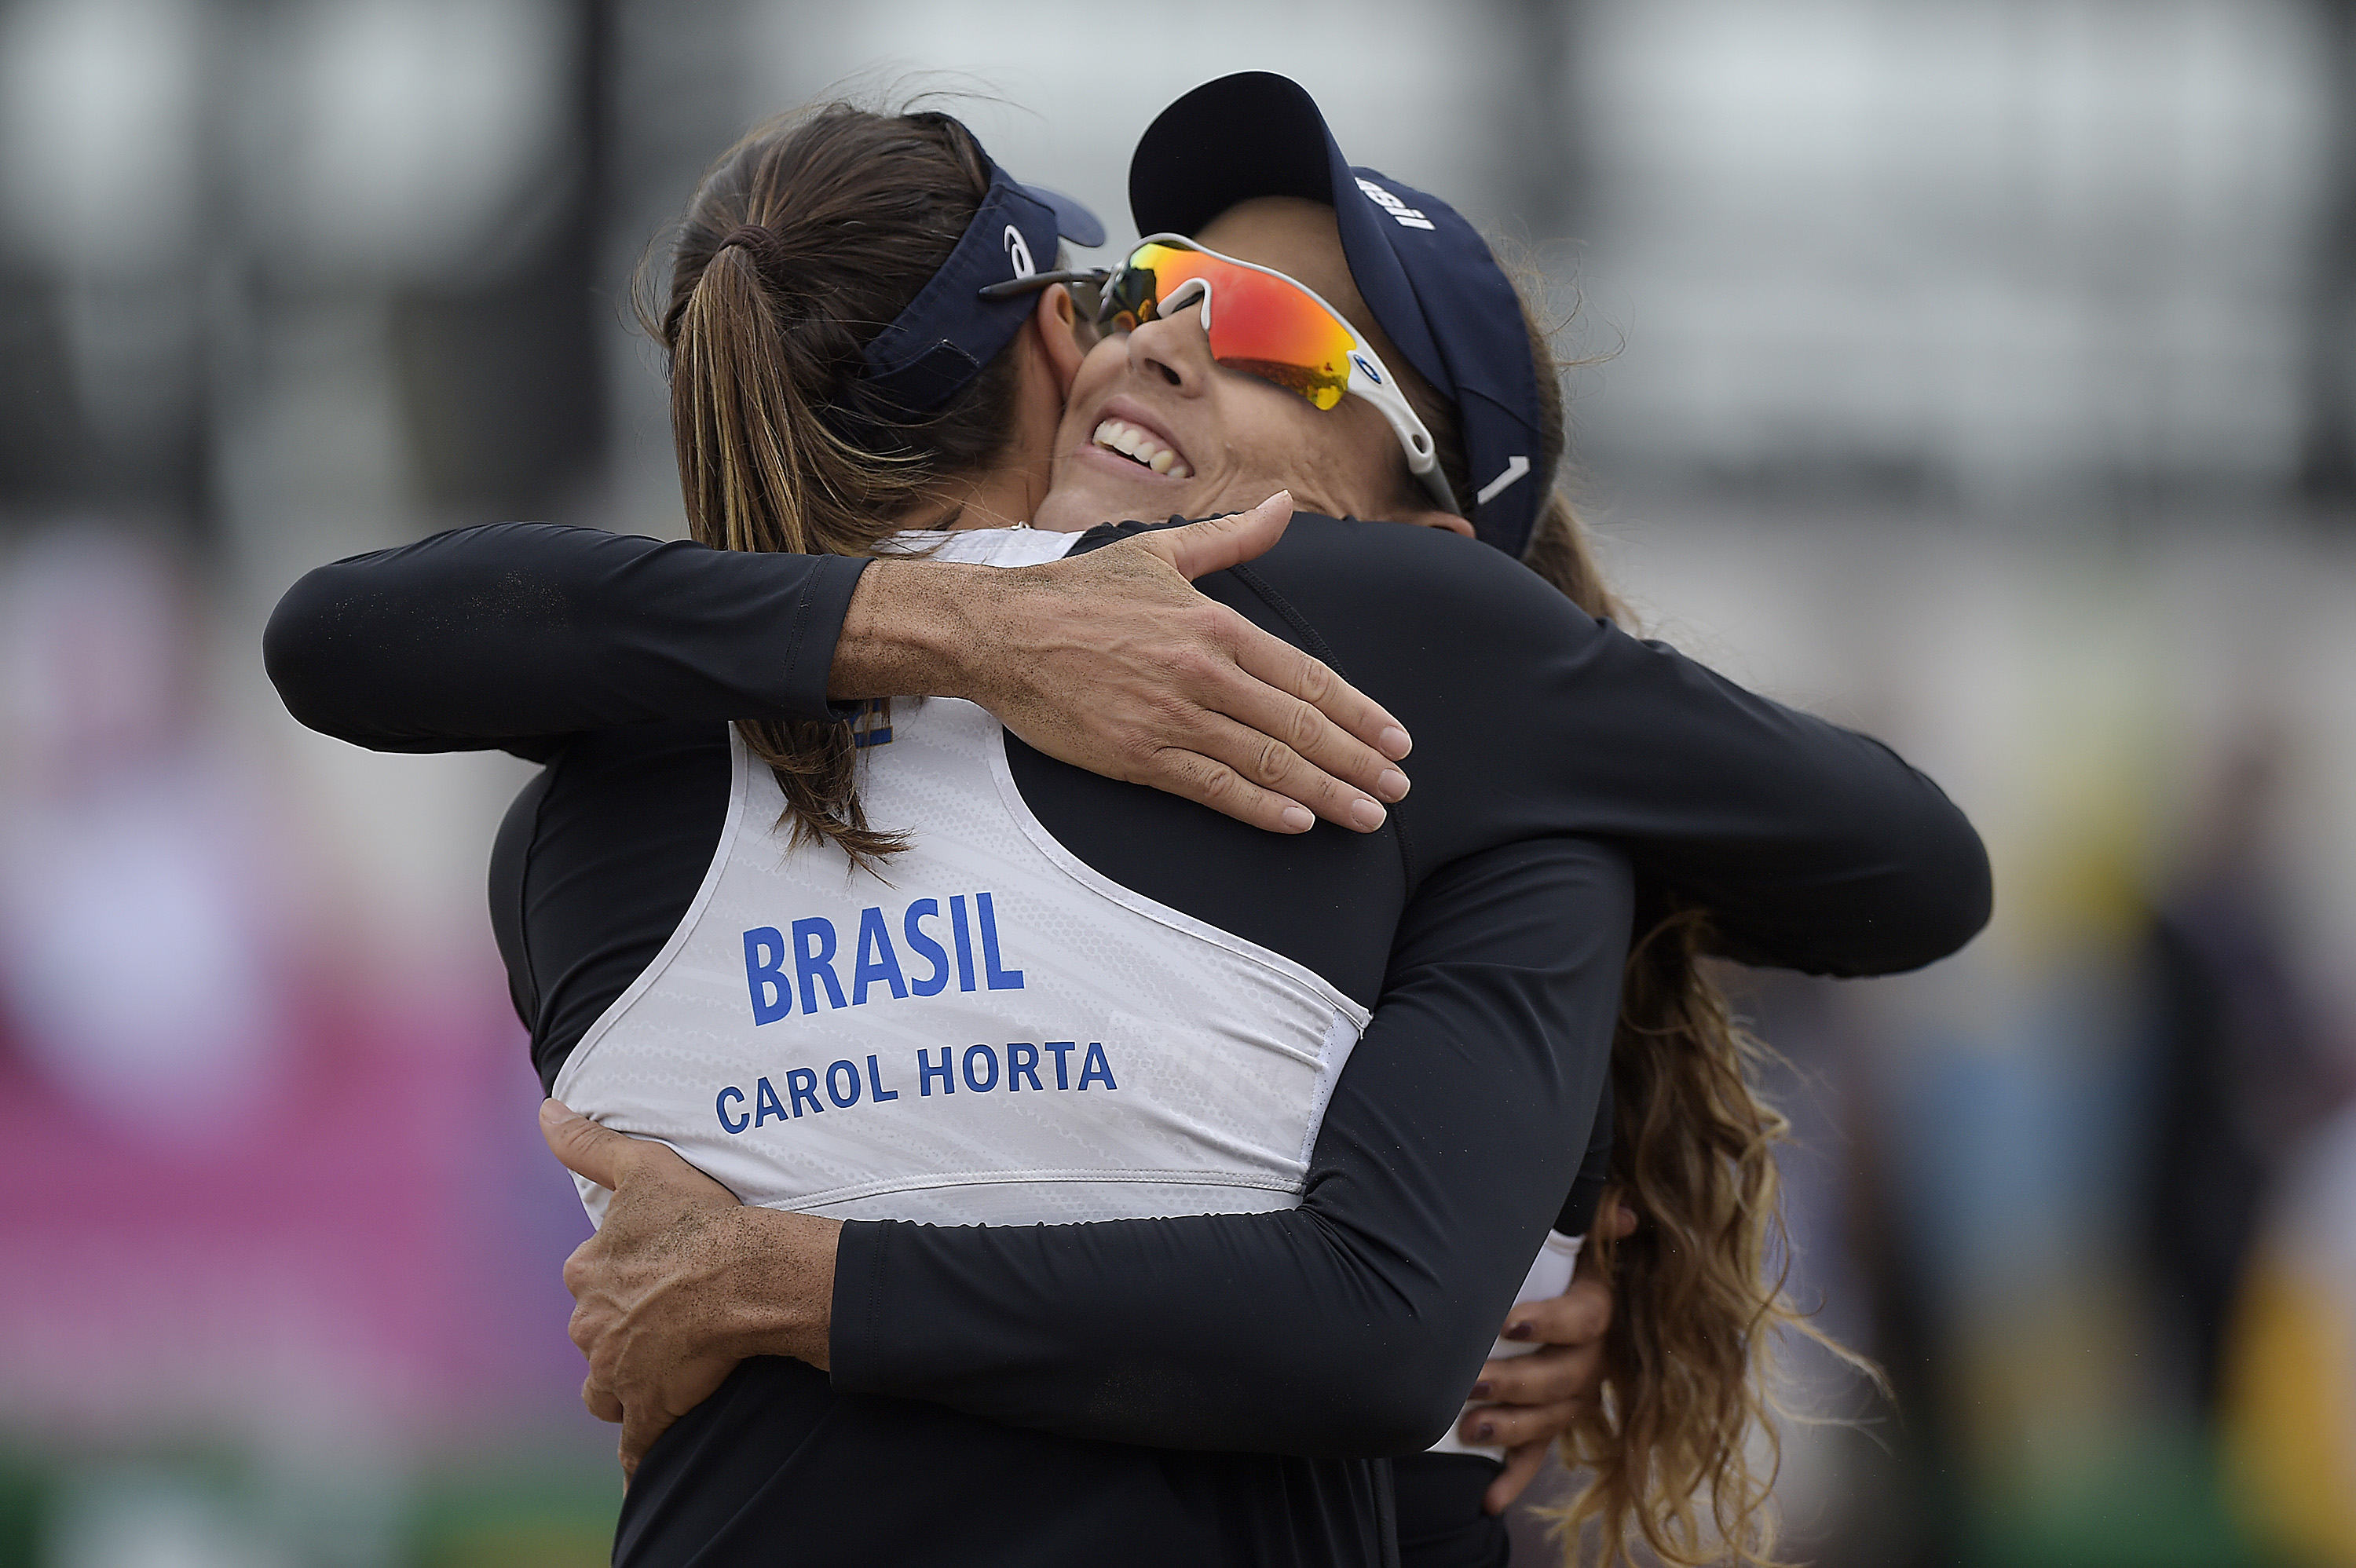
x: 1174, y: 348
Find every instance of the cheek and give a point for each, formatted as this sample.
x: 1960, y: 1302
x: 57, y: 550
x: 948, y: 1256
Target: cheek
x: 1367, y: 451
x: 1101, y: 363
x: 1269, y: 430
x: 1098, y: 372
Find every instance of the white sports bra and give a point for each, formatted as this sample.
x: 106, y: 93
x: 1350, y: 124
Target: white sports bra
x: 985, y: 1032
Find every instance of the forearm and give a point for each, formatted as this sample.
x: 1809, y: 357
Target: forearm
x: 1350, y: 1325
x: 914, y: 628
x: 518, y: 635
x: 1594, y: 1171
x: 771, y: 1288
x: 483, y: 636
x: 1811, y: 846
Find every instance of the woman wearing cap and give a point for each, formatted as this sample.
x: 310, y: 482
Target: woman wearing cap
x: 1331, y: 1311
x: 1462, y: 388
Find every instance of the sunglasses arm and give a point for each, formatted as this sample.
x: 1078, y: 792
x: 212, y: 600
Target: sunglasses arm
x: 1037, y: 280
x: 1422, y: 459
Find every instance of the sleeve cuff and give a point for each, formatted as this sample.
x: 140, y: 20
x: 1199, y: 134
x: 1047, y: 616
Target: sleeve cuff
x: 813, y: 628
x: 858, y: 1290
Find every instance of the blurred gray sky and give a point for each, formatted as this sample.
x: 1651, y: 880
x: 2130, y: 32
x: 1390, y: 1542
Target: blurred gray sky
x: 300, y: 273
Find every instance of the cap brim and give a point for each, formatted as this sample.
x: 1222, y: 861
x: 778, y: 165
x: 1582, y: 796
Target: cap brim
x: 1250, y: 134
x: 1256, y: 133
x: 1073, y: 221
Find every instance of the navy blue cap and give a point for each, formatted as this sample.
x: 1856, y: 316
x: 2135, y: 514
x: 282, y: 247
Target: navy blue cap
x: 1426, y: 273
x: 949, y: 331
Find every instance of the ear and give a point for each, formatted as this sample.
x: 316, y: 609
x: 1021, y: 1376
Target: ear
x: 1058, y: 321
x: 1432, y: 518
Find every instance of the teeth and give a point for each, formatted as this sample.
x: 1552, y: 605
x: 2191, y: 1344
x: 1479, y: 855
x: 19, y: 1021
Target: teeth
x: 1141, y: 447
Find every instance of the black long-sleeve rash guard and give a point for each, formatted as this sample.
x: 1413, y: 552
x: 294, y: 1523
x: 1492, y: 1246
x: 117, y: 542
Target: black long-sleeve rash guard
x: 1346, y: 1326
x: 387, y: 650
x: 1813, y: 848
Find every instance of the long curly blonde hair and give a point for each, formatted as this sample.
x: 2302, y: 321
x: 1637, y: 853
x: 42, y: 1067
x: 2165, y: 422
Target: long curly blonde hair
x: 1689, y: 1374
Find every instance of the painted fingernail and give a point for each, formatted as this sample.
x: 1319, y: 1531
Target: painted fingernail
x: 1484, y: 1429
x: 1297, y: 818
x: 1368, y: 816
x: 1518, y: 1330
x: 1480, y: 1388
x: 1392, y: 786
x: 1394, y: 743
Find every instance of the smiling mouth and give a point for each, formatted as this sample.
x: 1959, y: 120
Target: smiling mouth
x: 1141, y: 447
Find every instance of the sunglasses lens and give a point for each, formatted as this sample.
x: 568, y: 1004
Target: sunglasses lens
x: 1129, y: 295
x: 1266, y: 327
x: 1262, y: 325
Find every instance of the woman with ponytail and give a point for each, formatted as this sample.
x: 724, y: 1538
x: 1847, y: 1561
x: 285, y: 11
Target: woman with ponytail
x: 781, y: 269
x: 1215, y: 1279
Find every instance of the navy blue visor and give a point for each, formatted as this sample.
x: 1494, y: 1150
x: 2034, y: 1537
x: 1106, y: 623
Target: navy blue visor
x: 980, y: 299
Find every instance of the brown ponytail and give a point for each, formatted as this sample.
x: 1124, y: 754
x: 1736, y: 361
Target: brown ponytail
x: 805, y: 240
x: 1689, y: 1363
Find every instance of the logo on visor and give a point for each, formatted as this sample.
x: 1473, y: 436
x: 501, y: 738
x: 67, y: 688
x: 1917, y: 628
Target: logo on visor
x: 1516, y: 468
x: 1406, y: 216
x: 1367, y: 368
x: 1018, y: 252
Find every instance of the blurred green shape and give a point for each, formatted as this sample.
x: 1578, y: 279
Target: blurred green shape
x: 2158, y: 1504
x: 25, y: 1489
x: 530, y: 1515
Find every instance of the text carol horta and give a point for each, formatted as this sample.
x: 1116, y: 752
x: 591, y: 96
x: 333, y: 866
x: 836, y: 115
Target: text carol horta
x: 806, y: 960
x: 981, y: 1070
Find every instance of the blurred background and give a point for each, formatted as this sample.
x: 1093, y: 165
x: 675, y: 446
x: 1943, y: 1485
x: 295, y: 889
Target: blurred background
x: 1980, y: 372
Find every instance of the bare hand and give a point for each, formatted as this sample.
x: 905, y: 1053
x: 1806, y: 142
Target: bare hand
x: 681, y: 1282
x: 1541, y: 1395
x: 1110, y: 661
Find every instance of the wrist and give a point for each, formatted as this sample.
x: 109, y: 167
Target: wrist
x: 779, y: 1286
x: 911, y: 631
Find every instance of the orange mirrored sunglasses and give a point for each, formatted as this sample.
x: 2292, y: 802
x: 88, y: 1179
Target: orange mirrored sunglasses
x: 1264, y: 324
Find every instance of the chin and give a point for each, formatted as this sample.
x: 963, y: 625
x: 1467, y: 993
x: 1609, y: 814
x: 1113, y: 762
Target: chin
x: 1073, y: 508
